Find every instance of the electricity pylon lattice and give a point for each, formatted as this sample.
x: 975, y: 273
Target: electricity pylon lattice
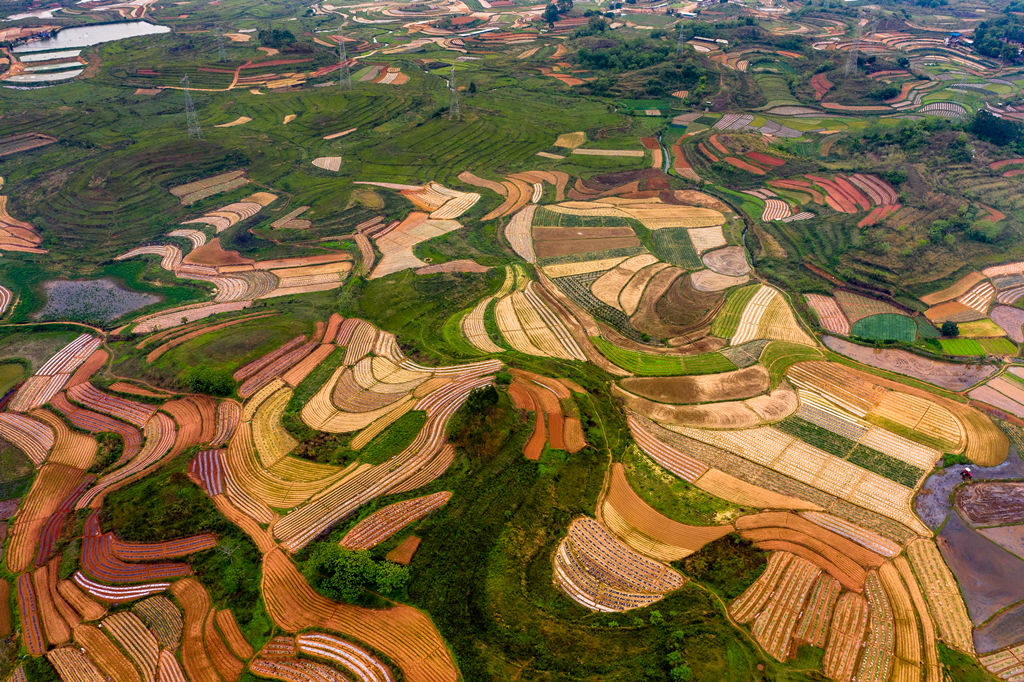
x: 852, y: 58
x: 344, y: 75
x: 221, y: 55
x: 680, y: 42
x: 454, y: 112
x: 191, y: 117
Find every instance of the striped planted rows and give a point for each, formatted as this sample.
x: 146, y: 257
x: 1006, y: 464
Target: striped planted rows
x: 50, y: 378
x: 382, y: 524
x: 602, y: 574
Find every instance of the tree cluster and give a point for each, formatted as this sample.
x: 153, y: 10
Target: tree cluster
x: 995, y: 38
x: 345, y: 575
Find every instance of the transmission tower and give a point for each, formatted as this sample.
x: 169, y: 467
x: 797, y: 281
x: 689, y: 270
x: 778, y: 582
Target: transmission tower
x: 344, y: 75
x: 852, y: 58
x: 221, y: 55
x: 680, y: 41
x: 454, y: 112
x: 191, y: 117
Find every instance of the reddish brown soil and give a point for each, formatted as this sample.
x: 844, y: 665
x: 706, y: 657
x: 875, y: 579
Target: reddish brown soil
x: 92, y: 365
x: 211, y: 253
x: 568, y: 247
x: 403, y: 553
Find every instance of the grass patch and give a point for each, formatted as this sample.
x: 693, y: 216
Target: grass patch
x: 653, y: 364
x: 961, y: 667
x: 779, y: 356
x: 677, y: 499
x: 10, y: 374
x: 16, y: 471
x: 394, y: 439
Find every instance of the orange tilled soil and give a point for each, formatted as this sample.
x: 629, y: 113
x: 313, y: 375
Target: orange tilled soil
x: 69, y: 615
x: 211, y: 253
x: 543, y: 395
x: 81, y: 602
x: 223, y: 660
x: 91, y: 365
x: 195, y: 603
x: 228, y: 627
x: 403, y: 634
x: 196, y: 416
x: 650, y: 522
x: 844, y: 559
x: 56, y: 630
x: 403, y: 553
x: 52, y: 485
x: 105, y: 654
x: 5, y: 608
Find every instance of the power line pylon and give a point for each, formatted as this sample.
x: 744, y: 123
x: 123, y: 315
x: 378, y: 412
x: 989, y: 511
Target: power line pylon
x: 221, y: 55
x: 851, y: 59
x: 344, y: 75
x: 191, y: 117
x: 454, y: 111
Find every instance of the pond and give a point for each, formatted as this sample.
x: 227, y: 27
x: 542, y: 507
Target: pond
x: 93, y: 300
x: 84, y: 36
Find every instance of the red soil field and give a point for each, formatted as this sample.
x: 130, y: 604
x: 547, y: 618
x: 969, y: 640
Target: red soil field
x: 743, y: 165
x: 95, y: 422
x: 54, y: 483
x: 997, y: 165
x: 5, y: 608
x: 383, y: 523
x: 993, y: 215
x: 31, y: 631
x: 536, y: 393
x: 211, y: 253
x: 91, y: 365
x: 705, y: 152
x: 765, y: 159
x: 717, y: 144
x: 821, y: 85
x: 847, y: 561
x: 196, y: 417
x: 1013, y: 173
x: 247, y: 370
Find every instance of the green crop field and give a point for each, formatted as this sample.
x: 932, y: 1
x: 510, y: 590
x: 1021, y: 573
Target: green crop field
x: 962, y: 347
x: 885, y: 327
x: 652, y: 364
x: 1000, y: 346
x: 728, y: 318
x: 673, y: 245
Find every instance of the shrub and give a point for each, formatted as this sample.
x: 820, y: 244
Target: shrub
x: 209, y: 381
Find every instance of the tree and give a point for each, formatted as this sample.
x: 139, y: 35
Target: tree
x: 550, y: 14
x: 950, y: 329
